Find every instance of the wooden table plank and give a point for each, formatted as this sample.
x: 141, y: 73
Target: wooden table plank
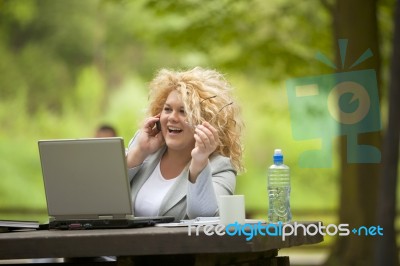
x: 137, y: 241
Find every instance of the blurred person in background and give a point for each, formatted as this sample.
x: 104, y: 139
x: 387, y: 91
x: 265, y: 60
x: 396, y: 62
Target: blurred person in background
x: 105, y: 131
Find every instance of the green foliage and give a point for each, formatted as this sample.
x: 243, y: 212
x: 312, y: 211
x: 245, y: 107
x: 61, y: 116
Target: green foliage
x: 269, y: 38
x: 21, y: 183
x: 89, y: 92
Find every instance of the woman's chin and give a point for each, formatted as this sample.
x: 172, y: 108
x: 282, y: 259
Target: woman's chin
x: 176, y: 145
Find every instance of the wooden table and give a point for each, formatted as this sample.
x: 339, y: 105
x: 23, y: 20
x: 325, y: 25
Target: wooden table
x: 153, y: 245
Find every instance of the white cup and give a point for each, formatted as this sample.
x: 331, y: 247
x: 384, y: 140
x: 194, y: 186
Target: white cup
x: 231, y: 209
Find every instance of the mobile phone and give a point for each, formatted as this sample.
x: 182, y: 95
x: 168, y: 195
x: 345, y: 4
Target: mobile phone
x: 158, y: 125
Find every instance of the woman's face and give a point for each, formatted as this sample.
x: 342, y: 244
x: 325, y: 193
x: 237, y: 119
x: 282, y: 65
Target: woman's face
x: 177, y: 133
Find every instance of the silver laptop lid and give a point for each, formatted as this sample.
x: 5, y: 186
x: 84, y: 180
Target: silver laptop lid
x: 85, y: 178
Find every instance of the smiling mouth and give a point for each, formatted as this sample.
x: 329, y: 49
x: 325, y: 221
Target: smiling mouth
x: 174, y: 130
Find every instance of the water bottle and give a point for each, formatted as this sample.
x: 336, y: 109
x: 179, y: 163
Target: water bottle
x: 279, y: 190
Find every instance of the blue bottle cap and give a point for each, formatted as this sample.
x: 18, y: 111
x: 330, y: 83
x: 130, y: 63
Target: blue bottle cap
x: 278, y: 156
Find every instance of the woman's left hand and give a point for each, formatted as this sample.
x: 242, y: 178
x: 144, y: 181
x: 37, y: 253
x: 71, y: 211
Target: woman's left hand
x: 206, y: 137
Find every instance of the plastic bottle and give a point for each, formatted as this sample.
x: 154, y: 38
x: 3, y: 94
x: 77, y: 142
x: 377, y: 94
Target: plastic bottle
x: 279, y: 190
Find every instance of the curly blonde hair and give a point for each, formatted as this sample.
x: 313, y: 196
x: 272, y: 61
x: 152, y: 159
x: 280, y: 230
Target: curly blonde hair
x: 206, y: 96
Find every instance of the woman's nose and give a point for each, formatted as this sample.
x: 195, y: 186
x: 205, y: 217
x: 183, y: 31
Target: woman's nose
x: 173, y: 116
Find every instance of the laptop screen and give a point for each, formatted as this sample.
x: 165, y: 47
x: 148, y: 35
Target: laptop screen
x: 85, y: 178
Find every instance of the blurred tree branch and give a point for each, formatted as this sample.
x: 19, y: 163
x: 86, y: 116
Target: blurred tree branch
x: 329, y: 6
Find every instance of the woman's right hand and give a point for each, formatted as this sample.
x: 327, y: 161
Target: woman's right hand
x: 150, y: 139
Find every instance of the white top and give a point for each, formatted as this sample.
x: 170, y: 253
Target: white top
x: 152, y: 193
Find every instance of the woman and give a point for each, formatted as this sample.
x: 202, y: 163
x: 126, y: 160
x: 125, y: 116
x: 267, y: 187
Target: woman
x: 188, y: 152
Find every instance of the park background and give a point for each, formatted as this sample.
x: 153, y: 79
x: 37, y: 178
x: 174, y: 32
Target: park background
x: 68, y: 66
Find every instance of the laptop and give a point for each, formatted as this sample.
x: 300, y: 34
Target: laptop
x: 86, y: 185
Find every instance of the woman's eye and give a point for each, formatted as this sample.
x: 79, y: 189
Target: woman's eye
x: 167, y: 109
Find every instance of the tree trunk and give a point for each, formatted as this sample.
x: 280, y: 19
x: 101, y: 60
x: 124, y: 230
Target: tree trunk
x: 386, y: 248
x: 355, y: 20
